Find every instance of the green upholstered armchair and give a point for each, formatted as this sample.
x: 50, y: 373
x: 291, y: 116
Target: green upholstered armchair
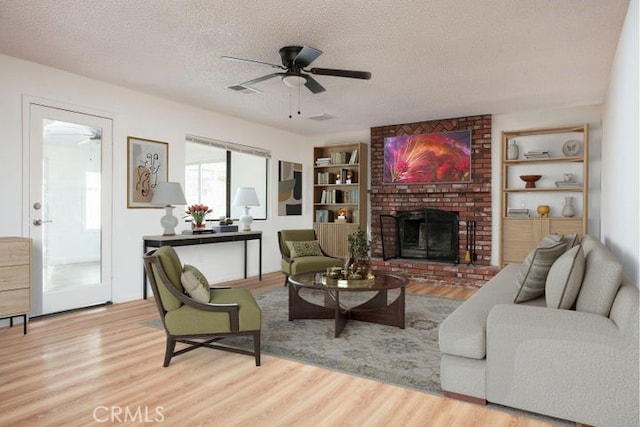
x: 310, y: 258
x: 229, y: 312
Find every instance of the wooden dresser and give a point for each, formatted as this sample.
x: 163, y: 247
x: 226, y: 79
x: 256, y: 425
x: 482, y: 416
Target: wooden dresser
x: 15, y: 278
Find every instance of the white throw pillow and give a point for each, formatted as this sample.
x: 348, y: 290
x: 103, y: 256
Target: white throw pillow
x: 195, y: 284
x: 565, y: 279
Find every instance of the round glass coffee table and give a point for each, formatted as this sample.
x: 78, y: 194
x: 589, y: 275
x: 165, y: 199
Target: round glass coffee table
x: 376, y: 309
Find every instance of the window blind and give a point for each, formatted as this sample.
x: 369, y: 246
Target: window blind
x: 230, y: 146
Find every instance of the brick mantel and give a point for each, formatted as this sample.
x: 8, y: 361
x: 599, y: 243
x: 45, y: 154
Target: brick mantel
x: 471, y: 200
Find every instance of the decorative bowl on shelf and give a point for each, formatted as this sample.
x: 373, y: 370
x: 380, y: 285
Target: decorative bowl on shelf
x: 530, y: 180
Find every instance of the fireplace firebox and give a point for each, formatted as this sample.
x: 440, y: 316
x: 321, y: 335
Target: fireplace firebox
x: 430, y: 234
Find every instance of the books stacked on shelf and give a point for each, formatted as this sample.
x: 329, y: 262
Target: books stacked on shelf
x: 326, y: 178
x: 537, y: 154
x: 339, y: 157
x: 573, y: 184
x: 350, y: 196
x: 324, y: 215
x: 518, y: 213
x: 323, y: 161
x: 331, y: 196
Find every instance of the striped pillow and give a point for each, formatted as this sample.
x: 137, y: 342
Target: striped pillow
x: 532, y: 276
x: 565, y: 279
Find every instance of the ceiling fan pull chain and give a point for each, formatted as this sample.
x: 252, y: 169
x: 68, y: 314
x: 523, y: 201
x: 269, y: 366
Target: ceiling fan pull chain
x: 290, y: 116
x: 299, y: 108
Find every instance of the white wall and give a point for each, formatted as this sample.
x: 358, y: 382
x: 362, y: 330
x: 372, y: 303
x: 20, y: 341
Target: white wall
x: 620, y: 153
x: 137, y: 114
x: 545, y: 119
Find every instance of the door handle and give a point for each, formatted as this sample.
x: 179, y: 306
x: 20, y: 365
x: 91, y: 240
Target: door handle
x: 39, y: 222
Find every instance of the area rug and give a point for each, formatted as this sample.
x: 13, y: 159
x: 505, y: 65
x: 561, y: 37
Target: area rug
x: 406, y: 357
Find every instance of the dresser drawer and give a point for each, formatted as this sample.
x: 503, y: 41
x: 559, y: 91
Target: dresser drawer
x: 15, y: 252
x: 15, y: 277
x: 17, y: 301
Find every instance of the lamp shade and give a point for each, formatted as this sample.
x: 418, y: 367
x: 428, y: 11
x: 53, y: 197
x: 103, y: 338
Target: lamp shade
x: 168, y: 193
x: 246, y: 196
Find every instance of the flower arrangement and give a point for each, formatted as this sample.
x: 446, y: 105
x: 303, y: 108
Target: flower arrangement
x: 198, y: 212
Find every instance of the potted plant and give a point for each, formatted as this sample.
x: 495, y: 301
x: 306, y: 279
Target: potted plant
x: 198, y: 213
x: 358, y: 265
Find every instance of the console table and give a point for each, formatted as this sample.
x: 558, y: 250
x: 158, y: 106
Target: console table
x: 203, y: 239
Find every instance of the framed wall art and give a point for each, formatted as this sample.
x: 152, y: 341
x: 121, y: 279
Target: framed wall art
x: 147, y: 165
x: 428, y: 158
x: 289, y: 188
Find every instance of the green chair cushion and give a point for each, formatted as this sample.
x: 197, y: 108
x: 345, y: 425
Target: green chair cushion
x: 187, y: 320
x: 308, y: 264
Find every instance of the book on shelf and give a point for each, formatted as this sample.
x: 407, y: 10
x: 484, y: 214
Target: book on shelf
x: 323, y: 161
x: 324, y: 215
x: 325, y: 178
x: 331, y: 196
x: 353, y: 159
x: 537, y: 154
x: 568, y: 184
x: 518, y: 212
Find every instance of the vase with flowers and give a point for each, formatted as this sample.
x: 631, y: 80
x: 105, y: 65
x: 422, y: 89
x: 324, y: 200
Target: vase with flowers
x: 198, y: 214
x: 358, y: 265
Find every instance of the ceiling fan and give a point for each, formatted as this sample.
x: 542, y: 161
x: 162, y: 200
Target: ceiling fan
x: 294, y: 73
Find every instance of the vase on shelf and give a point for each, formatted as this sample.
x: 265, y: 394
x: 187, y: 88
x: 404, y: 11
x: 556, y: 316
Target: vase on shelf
x: 568, y: 210
x: 513, y: 152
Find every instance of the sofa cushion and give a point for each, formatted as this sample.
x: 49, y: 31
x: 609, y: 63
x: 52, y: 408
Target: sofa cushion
x: 304, y: 248
x: 602, y: 278
x: 195, y: 284
x: 565, y: 278
x: 533, y: 272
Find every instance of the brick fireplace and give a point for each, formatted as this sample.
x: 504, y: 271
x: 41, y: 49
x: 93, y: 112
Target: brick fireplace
x: 469, y: 201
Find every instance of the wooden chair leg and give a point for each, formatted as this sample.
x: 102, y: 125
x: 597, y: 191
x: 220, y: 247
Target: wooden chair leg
x: 286, y: 279
x: 171, y: 346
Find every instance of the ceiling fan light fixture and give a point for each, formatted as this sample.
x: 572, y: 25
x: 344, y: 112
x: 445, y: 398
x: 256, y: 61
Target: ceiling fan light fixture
x: 294, y: 80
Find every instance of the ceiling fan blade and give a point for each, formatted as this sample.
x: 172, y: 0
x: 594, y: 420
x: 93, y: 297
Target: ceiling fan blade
x: 306, y: 56
x: 231, y: 58
x: 313, y: 85
x: 261, y: 79
x: 365, y: 75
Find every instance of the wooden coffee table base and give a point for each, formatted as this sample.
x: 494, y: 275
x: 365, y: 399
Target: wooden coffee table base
x: 374, y: 310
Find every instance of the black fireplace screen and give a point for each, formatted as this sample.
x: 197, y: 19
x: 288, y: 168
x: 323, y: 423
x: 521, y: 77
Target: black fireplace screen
x: 429, y: 234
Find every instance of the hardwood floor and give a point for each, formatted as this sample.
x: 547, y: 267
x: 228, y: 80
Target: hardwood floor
x: 101, y: 366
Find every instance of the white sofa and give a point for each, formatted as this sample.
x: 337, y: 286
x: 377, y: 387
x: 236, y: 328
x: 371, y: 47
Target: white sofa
x: 578, y: 364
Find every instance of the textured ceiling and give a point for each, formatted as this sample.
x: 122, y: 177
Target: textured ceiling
x: 429, y: 58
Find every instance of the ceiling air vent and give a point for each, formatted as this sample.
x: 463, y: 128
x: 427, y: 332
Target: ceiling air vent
x: 321, y: 117
x: 244, y: 89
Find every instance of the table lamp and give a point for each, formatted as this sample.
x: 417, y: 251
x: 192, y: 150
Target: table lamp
x: 168, y: 194
x: 246, y: 197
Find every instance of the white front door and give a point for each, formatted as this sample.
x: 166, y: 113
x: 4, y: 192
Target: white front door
x: 69, y: 205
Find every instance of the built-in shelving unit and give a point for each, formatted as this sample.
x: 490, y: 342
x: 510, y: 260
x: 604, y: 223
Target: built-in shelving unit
x: 340, y: 186
x: 560, y: 155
